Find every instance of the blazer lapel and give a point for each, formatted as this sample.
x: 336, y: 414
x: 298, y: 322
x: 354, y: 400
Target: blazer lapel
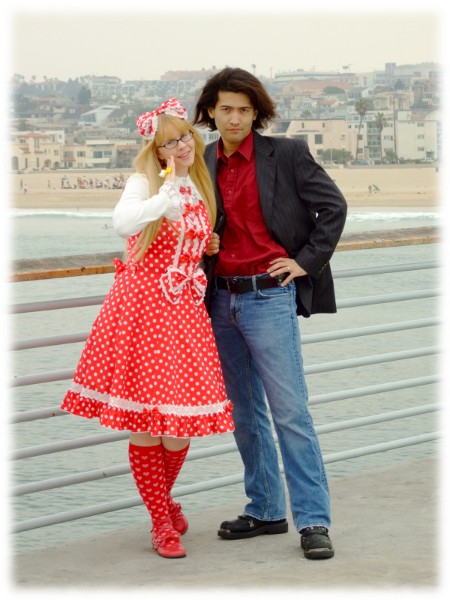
x: 265, y: 175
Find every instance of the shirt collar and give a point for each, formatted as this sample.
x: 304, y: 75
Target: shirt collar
x: 245, y: 149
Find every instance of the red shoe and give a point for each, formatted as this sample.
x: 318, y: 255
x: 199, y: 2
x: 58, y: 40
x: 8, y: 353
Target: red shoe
x: 166, y: 542
x: 179, y: 521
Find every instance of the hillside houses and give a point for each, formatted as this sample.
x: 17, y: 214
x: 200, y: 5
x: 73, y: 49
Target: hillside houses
x: 385, y: 116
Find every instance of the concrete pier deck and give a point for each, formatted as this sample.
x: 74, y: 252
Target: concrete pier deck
x: 384, y: 531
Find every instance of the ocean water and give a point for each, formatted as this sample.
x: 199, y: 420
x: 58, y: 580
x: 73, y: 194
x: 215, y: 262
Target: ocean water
x: 47, y: 232
x: 43, y: 233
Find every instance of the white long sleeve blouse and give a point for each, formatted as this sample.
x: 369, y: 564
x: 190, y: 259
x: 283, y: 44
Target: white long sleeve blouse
x: 136, y: 209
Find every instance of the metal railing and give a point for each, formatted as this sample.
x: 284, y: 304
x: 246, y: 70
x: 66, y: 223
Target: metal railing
x: 423, y: 355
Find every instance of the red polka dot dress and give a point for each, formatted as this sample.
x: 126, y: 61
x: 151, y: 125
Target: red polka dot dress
x: 150, y: 363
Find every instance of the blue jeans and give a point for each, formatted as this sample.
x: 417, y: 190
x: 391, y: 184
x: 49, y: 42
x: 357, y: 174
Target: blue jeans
x: 258, y: 339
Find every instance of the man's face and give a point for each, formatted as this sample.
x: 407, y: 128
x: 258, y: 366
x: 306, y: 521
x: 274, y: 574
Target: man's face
x: 233, y: 116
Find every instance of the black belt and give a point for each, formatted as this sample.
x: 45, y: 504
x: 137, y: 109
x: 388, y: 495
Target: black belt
x: 241, y: 285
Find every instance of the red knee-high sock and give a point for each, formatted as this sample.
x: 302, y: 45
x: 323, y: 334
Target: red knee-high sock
x: 173, y: 461
x: 147, y: 466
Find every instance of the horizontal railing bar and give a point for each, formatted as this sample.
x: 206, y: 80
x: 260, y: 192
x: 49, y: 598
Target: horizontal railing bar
x: 312, y: 338
x: 185, y: 490
x: 92, y: 300
x: 59, y: 482
x: 55, y: 411
x: 382, y: 447
x: 73, y: 515
x: 28, y: 307
x: 107, y: 507
x: 54, y: 267
x: 23, y: 380
x: 54, y: 340
x: 403, y: 413
x: 370, y: 360
x: 386, y: 269
x: 47, y: 377
x: 371, y: 240
x: 73, y: 444
x: 342, y: 334
x: 47, y: 305
x: 374, y: 389
x: 95, y: 475
x: 39, y: 413
x: 386, y: 298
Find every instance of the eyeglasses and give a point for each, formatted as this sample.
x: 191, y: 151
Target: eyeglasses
x: 174, y: 143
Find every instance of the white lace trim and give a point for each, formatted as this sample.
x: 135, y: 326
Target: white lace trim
x: 165, y: 409
x: 176, y: 209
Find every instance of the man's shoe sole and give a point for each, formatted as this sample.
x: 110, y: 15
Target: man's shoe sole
x: 269, y: 529
x: 319, y: 553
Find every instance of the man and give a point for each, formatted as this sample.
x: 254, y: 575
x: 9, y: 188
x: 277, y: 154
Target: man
x: 280, y: 217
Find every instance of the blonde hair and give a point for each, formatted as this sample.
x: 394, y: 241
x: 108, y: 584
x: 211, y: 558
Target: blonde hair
x: 147, y: 163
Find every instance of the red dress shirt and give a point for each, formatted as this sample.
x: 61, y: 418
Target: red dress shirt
x: 246, y: 245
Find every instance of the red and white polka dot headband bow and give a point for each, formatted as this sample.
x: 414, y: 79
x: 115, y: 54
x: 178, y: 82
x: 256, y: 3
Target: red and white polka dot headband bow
x: 147, y: 123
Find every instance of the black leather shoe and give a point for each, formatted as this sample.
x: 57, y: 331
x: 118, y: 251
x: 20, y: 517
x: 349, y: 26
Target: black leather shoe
x: 247, y: 527
x: 316, y: 543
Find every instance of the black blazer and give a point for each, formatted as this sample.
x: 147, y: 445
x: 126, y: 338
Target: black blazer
x: 303, y: 210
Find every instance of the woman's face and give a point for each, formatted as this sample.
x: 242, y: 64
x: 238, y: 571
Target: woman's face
x: 183, y: 152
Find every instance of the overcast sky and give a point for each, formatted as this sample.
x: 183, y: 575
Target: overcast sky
x: 68, y: 39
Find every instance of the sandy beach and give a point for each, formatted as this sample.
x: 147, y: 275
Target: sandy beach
x: 400, y: 188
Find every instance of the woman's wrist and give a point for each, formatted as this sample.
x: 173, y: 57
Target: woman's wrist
x: 174, y: 211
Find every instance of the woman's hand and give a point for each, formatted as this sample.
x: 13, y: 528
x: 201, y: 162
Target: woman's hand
x: 171, y: 165
x: 213, y: 246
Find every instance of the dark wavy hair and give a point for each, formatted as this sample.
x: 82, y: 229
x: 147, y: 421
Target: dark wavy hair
x: 237, y: 81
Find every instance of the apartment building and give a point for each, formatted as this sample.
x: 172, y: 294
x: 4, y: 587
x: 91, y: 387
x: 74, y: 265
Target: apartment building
x: 36, y: 151
x: 319, y: 134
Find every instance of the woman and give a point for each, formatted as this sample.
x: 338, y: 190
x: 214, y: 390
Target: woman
x: 150, y: 364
